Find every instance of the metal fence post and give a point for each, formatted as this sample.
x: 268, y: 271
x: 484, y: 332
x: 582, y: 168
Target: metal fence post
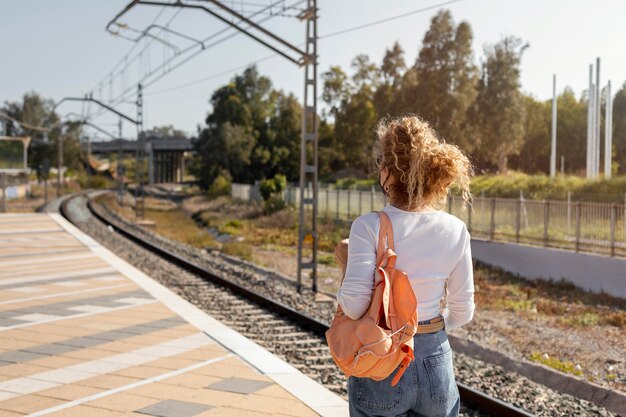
x: 492, y: 228
x: 518, y: 220
x: 469, y: 215
x: 546, y: 221
x: 372, y: 199
x: 337, y: 203
x: 449, y: 202
x: 360, y: 203
x: 613, y: 219
x: 569, y: 212
x: 578, y: 214
x: 327, y: 199
x: 348, y: 216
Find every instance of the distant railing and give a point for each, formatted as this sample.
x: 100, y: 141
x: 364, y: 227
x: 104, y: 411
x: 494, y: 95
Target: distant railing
x: 575, y: 225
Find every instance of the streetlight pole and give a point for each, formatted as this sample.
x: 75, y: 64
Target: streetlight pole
x: 59, y: 162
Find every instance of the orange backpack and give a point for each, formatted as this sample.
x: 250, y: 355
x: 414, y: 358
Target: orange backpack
x: 382, y: 339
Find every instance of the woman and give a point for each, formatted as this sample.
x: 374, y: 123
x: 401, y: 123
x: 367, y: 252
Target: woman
x: 433, y: 248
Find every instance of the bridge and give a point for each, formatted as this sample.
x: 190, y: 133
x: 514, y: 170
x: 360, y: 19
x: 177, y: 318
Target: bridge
x: 166, y: 160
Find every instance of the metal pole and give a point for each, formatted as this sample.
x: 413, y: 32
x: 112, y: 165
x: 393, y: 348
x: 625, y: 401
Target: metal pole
x: 60, y: 162
x: 492, y: 228
x: 337, y: 203
x: 592, y: 146
x: 349, y: 201
x: 139, y: 192
x: 360, y: 203
x: 613, y: 219
x: 589, y: 121
x: 4, y: 191
x: 372, y: 199
x: 578, y: 209
x: 569, y: 211
x: 546, y: 221
x: 608, y: 121
x: 598, y: 116
x: 120, y: 164
x: 469, y: 215
x: 553, y: 145
x: 518, y: 219
x: 327, y: 198
x: 309, y: 134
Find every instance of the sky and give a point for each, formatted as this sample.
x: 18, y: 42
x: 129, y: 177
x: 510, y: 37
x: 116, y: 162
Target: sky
x: 60, y: 48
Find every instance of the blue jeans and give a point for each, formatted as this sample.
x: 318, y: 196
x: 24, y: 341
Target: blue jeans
x: 427, y: 388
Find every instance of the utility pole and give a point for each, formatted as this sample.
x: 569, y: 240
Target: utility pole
x: 589, y: 121
x: 120, y: 163
x: 139, y: 191
x: 608, y: 132
x: 308, y: 143
x: 553, y: 145
x: 59, y: 162
x: 596, y: 168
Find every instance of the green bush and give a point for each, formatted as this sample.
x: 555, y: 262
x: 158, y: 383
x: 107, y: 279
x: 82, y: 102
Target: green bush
x: 271, y: 186
x: 539, y: 187
x: 220, y: 186
x: 354, y: 183
x: 274, y: 204
x: 93, y: 181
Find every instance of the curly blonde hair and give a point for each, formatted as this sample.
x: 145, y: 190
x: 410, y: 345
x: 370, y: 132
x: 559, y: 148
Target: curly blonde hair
x: 424, y: 166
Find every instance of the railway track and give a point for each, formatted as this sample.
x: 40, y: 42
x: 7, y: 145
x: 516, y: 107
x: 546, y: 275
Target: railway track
x: 292, y: 335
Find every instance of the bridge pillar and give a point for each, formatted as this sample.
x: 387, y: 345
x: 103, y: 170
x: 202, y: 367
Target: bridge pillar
x: 167, y: 166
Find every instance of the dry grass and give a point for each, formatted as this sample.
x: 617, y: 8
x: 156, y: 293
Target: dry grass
x: 170, y: 221
x: 499, y: 290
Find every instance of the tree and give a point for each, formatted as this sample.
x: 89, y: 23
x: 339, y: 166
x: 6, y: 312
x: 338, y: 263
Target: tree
x: 352, y: 108
x: 446, y: 78
x: 365, y: 72
x: 285, y: 129
x: 252, y: 132
x: 619, y: 128
x: 387, y: 97
x: 165, y: 132
x: 571, y: 132
x: 336, y: 89
x: 534, y: 157
x: 354, y: 127
x: 37, y: 111
x: 499, y: 112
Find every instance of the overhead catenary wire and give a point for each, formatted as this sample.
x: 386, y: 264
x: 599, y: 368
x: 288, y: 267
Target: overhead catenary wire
x: 123, y: 72
x: 321, y: 37
x: 388, y: 19
x: 130, y: 90
x: 110, y: 75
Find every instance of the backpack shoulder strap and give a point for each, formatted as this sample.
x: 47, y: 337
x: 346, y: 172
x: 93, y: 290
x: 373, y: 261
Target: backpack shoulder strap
x: 385, y: 223
x: 385, y: 233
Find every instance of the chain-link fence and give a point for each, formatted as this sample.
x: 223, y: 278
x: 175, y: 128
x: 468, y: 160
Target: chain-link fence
x: 575, y: 225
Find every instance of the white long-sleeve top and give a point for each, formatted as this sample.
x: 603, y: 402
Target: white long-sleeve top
x: 433, y: 248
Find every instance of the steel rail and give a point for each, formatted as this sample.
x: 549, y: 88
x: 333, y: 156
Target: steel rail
x: 469, y: 396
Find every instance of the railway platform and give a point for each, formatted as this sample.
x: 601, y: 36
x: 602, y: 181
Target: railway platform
x: 84, y: 333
